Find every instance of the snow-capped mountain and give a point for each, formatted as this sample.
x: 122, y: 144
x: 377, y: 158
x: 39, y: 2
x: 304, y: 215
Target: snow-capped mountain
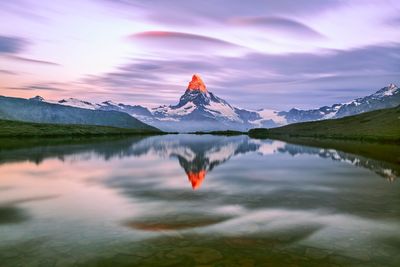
x: 136, y: 111
x: 386, y: 97
x: 200, y: 110
x: 39, y: 111
x: 197, y: 110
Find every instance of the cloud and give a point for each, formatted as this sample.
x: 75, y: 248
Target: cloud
x: 260, y: 80
x: 25, y: 9
x: 395, y: 22
x: 162, y: 36
x: 12, y: 45
x: 179, y: 42
x: 42, y: 87
x: 8, y: 72
x: 30, y: 60
x: 374, y: 58
x: 278, y: 23
x: 196, y: 13
x: 205, y: 37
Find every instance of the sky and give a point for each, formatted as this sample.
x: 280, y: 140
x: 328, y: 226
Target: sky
x: 254, y: 54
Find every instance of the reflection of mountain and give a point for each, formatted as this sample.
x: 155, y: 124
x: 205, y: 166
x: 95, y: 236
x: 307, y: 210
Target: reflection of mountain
x: 196, y: 178
x: 196, y: 154
x: 387, y: 170
x: 211, y: 154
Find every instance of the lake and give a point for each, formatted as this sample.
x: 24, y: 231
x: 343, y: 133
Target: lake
x: 197, y: 200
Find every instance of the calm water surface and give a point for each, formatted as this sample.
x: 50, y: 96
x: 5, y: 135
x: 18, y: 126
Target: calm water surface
x: 186, y: 200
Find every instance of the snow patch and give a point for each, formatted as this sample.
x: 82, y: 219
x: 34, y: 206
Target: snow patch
x: 223, y: 110
x: 221, y: 154
x: 182, y: 111
x: 73, y: 102
x: 269, y: 114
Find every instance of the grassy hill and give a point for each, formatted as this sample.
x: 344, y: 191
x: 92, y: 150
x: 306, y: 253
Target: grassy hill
x: 378, y: 125
x: 10, y: 128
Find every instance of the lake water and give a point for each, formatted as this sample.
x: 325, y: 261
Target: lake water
x: 195, y: 200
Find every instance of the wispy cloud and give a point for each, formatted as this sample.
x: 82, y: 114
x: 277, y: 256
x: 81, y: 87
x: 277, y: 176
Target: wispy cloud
x: 30, y: 60
x: 40, y: 87
x: 179, y: 37
x: 12, y: 45
x: 168, y: 42
x: 263, y: 53
x: 7, y: 72
x: 245, y: 79
x: 283, y: 24
x: 195, y: 13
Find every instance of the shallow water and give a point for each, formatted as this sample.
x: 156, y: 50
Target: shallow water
x: 190, y: 200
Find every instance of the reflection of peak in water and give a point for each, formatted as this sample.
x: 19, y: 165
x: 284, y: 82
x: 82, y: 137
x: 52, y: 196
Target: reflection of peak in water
x: 384, y: 169
x: 202, y: 157
x: 196, y: 178
x: 195, y: 153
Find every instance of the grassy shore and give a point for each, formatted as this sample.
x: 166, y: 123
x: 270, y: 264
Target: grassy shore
x: 379, y: 125
x: 10, y: 128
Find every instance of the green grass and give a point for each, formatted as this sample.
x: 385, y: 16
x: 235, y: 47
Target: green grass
x: 10, y: 128
x: 378, y: 125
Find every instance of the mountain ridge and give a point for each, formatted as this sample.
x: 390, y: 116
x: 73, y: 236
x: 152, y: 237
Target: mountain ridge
x: 377, y: 125
x: 199, y: 109
x: 38, y: 111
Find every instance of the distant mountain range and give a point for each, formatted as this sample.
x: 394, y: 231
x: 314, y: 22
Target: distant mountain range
x: 386, y: 97
x: 200, y: 110
x: 376, y: 125
x: 36, y: 110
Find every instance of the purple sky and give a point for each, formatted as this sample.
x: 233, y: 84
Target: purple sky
x: 255, y: 54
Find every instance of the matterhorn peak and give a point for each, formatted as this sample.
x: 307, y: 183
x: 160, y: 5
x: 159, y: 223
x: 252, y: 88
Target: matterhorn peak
x: 197, y: 84
x: 196, y: 178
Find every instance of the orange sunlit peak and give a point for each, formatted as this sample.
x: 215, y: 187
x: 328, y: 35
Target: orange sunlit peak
x: 196, y: 178
x: 197, y: 84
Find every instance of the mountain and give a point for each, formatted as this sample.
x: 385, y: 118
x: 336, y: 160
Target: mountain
x: 199, y: 109
x: 35, y: 110
x: 386, y: 97
x: 380, y: 125
x: 139, y: 112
